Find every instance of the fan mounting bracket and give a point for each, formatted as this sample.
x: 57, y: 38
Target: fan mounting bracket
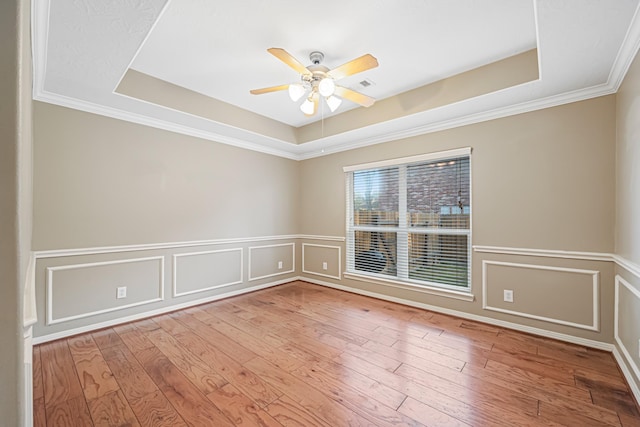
x: 316, y: 57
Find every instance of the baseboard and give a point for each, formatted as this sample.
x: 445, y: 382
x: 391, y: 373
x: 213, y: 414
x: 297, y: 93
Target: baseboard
x: 509, y: 325
x: 138, y: 316
x: 622, y: 363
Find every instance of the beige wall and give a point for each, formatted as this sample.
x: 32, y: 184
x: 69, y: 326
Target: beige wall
x: 15, y: 202
x: 541, y: 180
x: 627, y: 217
x: 104, y: 182
x: 147, y: 200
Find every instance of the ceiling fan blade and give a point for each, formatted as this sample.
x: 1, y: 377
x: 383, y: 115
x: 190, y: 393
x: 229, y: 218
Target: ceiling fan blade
x: 358, y: 65
x: 269, y: 89
x: 288, y: 59
x: 353, y: 96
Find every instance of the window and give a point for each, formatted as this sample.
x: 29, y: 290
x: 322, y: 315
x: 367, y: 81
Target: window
x: 409, y: 220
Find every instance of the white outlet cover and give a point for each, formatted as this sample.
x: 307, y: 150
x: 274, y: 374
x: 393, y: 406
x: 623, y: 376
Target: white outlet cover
x: 121, y: 292
x: 279, y: 264
x: 508, y: 295
x: 324, y: 265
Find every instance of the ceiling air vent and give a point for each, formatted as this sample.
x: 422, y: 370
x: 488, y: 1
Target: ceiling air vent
x: 366, y: 83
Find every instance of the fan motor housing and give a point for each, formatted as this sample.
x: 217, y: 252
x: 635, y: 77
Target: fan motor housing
x: 318, y: 71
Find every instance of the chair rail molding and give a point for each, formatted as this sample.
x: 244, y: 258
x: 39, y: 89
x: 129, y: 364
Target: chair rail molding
x: 619, y: 260
x: 549, y: 253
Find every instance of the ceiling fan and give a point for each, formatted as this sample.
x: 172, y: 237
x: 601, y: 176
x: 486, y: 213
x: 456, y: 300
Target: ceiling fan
x: 318, y: 81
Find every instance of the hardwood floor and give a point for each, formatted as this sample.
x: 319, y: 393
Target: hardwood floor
x: 305, y: 355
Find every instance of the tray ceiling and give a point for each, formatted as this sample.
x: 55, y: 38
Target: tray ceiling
x: 215, y: 52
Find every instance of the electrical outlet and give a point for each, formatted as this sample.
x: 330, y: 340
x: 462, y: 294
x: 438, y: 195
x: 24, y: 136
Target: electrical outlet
x: 508, y: 295
x: 279, y: 265
x: 121, y: 292
x: 324, y: 265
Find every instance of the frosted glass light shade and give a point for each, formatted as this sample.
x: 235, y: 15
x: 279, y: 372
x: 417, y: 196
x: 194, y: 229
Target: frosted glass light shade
x: 296, y: 90
x: 333, y: 102
x: 307, y: 107
x: 327, y: 86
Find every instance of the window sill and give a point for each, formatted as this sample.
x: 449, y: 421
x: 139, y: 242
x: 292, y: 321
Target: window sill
x: 441, y: 292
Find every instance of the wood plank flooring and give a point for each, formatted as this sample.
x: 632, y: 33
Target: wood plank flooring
x: 305, y: 355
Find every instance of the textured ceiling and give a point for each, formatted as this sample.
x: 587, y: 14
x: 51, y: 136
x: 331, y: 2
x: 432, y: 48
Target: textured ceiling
x: 83, y: 49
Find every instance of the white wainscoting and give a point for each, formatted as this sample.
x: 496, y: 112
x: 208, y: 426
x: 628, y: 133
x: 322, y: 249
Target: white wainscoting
x: 624, y: 360
x: 55, y: 308
x: 337, y: 260
x: 595, y: 292
x: 276, y: 272
x: 616, y: 325
x: 50, y: 286
x: 464, y: 315
x: 224, y: 281
x: 593, y: 256
x: 156, y: 312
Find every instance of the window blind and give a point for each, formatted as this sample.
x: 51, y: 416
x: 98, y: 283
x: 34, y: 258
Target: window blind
x: 411, y: 221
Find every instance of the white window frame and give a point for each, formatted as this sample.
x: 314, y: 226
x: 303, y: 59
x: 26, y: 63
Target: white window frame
x: 403, y: 230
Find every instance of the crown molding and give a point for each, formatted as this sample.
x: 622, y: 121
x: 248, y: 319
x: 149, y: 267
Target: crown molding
x: 128, y: 116
x: 627, y: 52
x: 299, y: 154
x: 324, y: 146
x: 497, y: 113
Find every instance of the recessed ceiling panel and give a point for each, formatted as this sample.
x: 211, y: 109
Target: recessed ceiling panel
x: 219, y: 48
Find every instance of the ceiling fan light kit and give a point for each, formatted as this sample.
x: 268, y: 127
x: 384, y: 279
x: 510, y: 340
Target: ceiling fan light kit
x: 307, y: 106
x: 319, y: 81
x: 296, y: 90
x: 326, y: 87
x: 333, y: 102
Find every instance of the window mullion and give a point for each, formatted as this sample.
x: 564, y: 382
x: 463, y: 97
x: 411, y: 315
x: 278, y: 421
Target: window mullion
x: 349, y: 220
x: 402, y: 238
